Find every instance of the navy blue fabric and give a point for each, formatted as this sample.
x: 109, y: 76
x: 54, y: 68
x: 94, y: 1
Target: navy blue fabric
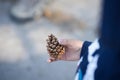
x: 110, y: 28
x: 84, y: 63
x: 108, y: 64
x: 84, y: 48
x: 109, y: 61
x: 84, y: 51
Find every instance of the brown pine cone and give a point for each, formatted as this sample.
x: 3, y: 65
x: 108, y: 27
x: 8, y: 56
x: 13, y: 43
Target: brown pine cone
x: 54, y: 49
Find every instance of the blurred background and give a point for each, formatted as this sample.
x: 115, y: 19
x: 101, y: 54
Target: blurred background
x: 24, y: 27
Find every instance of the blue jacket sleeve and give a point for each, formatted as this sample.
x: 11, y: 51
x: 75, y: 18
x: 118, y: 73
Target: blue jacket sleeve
x: 84, y: 47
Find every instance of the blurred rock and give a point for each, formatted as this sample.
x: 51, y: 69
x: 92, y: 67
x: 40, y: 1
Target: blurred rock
x: 79, y: 13
x: 82, y: 13
x: 25, y: 10
x: 61, y: 18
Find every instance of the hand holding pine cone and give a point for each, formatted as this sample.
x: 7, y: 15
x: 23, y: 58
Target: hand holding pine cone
x: 55, y: 49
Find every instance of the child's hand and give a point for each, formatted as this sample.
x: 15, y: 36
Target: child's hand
x: 72, y: 50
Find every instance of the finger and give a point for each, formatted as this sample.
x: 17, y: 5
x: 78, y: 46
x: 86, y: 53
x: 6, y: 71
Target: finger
x: 51, y: 60
x: 48, y: 60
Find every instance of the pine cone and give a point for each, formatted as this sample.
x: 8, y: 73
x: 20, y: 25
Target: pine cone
x: 54, y: 48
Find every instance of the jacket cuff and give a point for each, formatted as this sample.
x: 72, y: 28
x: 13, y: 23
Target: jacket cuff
x: 85, y: 48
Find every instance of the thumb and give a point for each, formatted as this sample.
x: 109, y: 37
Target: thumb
x: 64, y: 42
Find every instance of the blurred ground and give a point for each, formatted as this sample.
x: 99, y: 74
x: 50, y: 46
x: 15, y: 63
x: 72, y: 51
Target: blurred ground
x: 23, y: 52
